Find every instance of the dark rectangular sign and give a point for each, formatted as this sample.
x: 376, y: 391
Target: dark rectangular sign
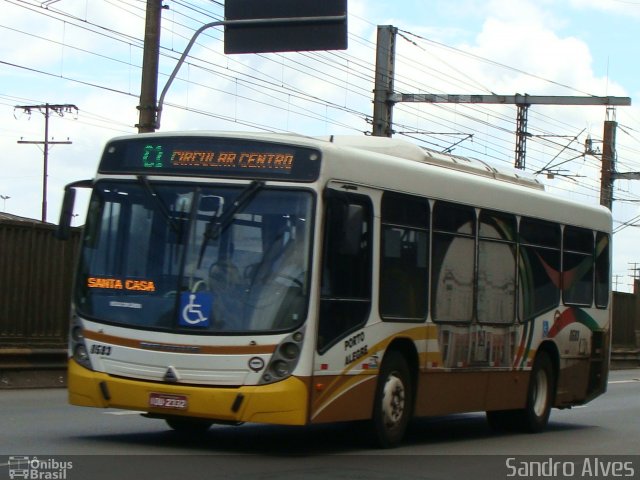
x: 317, y: 33
x: 210, y: 157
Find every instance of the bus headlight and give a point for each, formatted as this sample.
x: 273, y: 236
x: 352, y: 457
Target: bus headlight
x: 290, y: 350
x: 77, y: 347
x: 76, y: 334
x: 280, y: 368
x: 81, y: 356
x: 284, y: 359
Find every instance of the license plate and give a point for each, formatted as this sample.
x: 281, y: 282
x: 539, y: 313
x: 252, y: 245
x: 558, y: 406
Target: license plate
x: 166, y: 401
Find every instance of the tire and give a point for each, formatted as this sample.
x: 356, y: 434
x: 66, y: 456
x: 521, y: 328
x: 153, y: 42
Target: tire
x: 540, y: 396
x: 189, y: 425
x: 393, y: 405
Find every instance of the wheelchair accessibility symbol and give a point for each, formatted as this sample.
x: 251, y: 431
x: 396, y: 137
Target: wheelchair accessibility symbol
x: 195, y: 309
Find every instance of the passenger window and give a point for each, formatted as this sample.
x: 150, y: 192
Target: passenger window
x: 602, y: 270
x: 577, y: 266
x: 496, y: 268
x: 452, y: 276
x: 404, y: 254
x: 539, y: 281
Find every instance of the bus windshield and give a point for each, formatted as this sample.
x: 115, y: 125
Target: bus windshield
x: 192, y: 258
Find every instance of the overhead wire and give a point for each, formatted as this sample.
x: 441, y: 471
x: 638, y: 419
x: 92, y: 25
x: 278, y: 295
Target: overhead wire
x: 358, y: 74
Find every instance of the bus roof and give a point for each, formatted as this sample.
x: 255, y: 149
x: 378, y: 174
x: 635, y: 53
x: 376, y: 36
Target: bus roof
x: 411, y: 151
x: 367, y: 160
x: 456, y: 179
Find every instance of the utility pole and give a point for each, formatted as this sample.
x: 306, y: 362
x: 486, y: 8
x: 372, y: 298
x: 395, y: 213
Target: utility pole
x: 635, y: 270
x: 46, y: 110
x: 521, y: 135
x: 521, y: 101
x: 608, y: 171
x: 383, y: 106
x: 150, y: 61
x: 383, y: 89
x: 282, y: 20
x: 608, y: 161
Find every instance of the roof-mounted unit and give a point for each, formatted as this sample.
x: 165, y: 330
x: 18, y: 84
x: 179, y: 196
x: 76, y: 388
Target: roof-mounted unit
x: 413, y: 152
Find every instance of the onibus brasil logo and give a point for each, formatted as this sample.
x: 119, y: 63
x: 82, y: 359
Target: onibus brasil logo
x: 38, y: 469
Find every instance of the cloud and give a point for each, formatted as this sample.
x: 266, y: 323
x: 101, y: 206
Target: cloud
x: 231, y: 92
x: 618, y: 7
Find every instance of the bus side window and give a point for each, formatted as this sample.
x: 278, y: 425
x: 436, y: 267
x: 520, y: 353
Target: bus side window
x: 452, y: 276
x: 404, y: 254
x: 539, y: 285
x: 577, y: 266
x: 602, y: 270
x: 496, y: 302
x: 345, y: 298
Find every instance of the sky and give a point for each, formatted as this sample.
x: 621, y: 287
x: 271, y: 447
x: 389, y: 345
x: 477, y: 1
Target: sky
x: 88, y: 53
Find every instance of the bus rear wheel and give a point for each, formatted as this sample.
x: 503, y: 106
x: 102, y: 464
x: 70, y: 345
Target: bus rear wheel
x: 534, y: 417
x: 393, y: 401
x: 540, y: 396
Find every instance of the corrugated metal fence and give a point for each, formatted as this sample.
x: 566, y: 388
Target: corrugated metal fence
x: 624, y: 319
x: 36, y: 272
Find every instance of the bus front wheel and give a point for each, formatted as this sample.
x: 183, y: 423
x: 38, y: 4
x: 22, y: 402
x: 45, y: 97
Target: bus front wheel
x: 393, y: 401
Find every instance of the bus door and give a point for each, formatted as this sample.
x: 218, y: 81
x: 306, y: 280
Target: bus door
x: 345, y: 307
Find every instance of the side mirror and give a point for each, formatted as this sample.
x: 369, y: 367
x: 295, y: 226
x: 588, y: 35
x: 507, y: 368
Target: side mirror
x: 66, y: 213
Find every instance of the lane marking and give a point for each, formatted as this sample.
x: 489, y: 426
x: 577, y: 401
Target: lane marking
x: 633, y: 380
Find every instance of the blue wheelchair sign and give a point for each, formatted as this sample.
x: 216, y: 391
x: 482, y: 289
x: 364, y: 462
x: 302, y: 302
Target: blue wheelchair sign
x: 195, y: 309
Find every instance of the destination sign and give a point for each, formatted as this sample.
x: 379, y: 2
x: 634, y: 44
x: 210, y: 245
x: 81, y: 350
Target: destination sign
x: 121, y: 284
x: 279, y: 162
x: 211, y: 157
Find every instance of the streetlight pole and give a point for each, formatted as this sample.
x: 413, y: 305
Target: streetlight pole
x: 4, y: 202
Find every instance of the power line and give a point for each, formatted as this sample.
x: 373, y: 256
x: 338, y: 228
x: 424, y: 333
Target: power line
x: 490, y: 129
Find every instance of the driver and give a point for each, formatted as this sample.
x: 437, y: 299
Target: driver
x: 225, y: 282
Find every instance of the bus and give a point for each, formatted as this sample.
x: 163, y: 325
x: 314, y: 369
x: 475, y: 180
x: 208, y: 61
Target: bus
x: 226, y: 278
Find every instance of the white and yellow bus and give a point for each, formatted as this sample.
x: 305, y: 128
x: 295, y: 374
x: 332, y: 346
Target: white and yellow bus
x: 283, y: 279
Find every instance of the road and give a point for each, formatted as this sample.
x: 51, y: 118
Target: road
x: 121, y: 444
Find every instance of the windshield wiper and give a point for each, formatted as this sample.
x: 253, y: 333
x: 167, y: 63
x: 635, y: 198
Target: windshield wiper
x: 148, y: 188
x: 217, y: 224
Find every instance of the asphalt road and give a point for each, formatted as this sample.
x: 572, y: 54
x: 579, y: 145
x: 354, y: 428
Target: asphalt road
x: 39, y: 424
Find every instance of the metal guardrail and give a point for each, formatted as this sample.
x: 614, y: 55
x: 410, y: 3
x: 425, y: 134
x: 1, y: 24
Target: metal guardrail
x: 624, y: 358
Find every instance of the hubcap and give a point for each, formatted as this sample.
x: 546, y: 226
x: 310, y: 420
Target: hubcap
x: 540, y: 393
x: 393, y: 401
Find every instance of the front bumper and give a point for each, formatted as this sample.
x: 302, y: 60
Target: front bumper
x: 282, y: 403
